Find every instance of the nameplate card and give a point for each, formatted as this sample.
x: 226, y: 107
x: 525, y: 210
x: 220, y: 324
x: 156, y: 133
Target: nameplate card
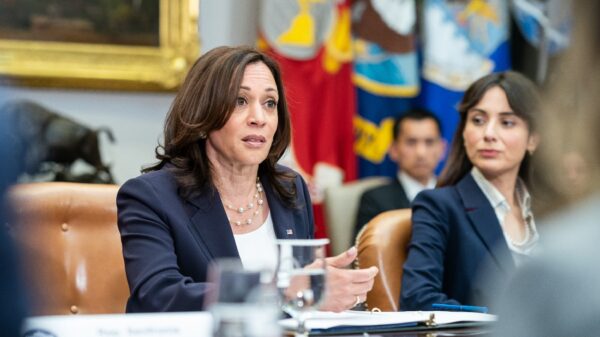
x: 192, y: 324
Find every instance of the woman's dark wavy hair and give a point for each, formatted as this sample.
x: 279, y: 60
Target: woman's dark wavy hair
x: 523, y: 97
x: 204, y: 104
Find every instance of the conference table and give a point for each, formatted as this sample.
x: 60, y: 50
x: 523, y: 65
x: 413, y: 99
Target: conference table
x: 200, y: 324
x: 455, y: 332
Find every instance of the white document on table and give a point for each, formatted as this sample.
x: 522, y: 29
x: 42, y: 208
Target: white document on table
x: 181, y: 324
x: 321, y: 320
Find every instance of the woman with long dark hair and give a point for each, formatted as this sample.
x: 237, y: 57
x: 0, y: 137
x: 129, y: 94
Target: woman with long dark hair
x: 480, y: 219
x: 217, y: 190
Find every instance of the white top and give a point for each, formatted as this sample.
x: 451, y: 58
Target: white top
x: 257, y: 249
x: 519, y: 249
x: 412, y: 187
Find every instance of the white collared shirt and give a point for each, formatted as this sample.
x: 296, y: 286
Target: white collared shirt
x: 502, y: 208
x: 412, y: 187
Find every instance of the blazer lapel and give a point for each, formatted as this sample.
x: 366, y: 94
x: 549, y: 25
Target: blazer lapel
x: 210, y: 224
x: 483, y: 218
x: 283, y: 218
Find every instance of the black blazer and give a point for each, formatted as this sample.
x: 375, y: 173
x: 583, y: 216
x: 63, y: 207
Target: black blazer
x: 13, y: 306
x: 169, y: 242
x: 455, y: 237
x: 380, y: 199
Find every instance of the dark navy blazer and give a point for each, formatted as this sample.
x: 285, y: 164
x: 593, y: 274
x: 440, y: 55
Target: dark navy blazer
x: 456, y: 238
x: 12, y: 291
x: 169, y: 242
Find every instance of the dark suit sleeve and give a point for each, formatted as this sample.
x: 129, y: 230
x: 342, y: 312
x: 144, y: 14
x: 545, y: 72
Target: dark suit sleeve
x: 368, y: 208
x: 12, y: 293
x: 12, y: 306
x: 155, y: 281
x: 306, y: 204
x: 422, y: 281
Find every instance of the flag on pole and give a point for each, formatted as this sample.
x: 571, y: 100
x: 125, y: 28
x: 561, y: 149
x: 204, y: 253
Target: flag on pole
x: 462, y: 41
x: 546, y: 26
x: 386, y: 76
x: 311, y: 41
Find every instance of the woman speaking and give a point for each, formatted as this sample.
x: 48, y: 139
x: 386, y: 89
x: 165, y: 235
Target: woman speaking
x: 217, y: 190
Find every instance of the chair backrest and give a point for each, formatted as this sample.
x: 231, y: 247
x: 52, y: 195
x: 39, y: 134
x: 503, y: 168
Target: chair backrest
x: 383, y: 243
x: 341, y: 207
x: 70, y: 247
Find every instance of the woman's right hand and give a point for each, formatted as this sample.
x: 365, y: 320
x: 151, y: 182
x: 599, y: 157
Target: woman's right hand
x: 346, y: 287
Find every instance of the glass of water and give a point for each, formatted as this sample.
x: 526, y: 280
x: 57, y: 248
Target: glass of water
x: 300, y: 278
x: 243, y: 303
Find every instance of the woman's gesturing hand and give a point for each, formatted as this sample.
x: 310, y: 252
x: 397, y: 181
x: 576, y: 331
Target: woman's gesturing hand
x: 346, y: 288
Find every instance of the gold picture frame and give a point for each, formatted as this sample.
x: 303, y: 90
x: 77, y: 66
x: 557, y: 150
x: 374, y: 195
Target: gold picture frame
x: 107, y: 66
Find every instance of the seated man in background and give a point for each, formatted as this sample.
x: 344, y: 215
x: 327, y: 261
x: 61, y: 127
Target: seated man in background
x: 417, y: 148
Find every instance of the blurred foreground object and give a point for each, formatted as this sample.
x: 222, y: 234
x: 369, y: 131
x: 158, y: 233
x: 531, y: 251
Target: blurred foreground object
x: 12, y: 300
x: 562, y: 286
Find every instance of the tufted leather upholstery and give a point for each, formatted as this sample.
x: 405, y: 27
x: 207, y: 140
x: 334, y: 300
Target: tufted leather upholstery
x: 383, y: 243
x: 70, y: 246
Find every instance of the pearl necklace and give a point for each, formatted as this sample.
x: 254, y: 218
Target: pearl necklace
x: 241, y: 210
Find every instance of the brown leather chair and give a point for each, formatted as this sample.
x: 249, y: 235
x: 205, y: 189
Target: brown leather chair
x: 71, y: 249
x: 383, y: 243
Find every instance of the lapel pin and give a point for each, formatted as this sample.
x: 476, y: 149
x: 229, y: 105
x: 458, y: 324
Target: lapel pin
x: 289, y: 232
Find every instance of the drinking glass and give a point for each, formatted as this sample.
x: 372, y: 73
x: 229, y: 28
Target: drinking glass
x: 243, y: 303
x: 300, y: 278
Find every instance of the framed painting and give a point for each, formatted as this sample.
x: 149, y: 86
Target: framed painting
x: 100, y: 44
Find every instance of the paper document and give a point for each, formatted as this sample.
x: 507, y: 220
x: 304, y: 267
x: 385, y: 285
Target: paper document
x: 377, y: 321
x: 179, y: 324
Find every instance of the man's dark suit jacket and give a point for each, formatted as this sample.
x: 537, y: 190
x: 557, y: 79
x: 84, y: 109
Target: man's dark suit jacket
x: 380, y: 199
x: 12, y: 295
x: 169, y: 242
x: 456, y: 236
